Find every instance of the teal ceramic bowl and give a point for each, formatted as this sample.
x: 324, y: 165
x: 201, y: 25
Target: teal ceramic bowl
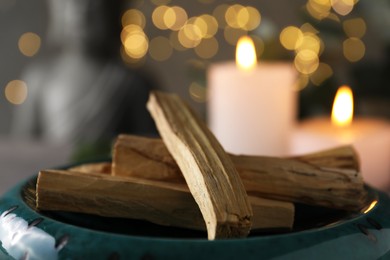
x: 318, y: 234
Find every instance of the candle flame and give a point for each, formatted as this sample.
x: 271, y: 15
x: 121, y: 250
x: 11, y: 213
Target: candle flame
x: 245, y: 54
x: 342, y: 112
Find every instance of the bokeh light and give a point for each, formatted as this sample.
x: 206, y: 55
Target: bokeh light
x: 207, y: 48
x: 323, y: 72
x: 306, y: 61
x: 29, y: 44
x: 342, y: 7
x: 158, y: 17
x: 254, y: 18
x: 318, y: 9
x: 353, y: 49
x: 232, y: 35
x: 190, y: 35
x: 211, y: 25
x: 133, y: 16
x: 160, y: 48
x: 301, y: 82
x: 177, y: 17
x: 16, y: 92
x: 291, y: 37
x: 219, y: 14
x: 200, y: 24
x: 355, y: 27
x: 134, y: 41
x: 310, y: 42
x: 241, y: 17
x: 308, y: 28
x: 174, y: 40
x: 231, y: 16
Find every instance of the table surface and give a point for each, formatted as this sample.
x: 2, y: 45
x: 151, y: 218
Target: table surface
x: 20, y: 159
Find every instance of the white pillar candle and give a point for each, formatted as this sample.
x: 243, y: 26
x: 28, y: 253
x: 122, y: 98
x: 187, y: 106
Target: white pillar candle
x: 252, y: 111
x: 370, y: 137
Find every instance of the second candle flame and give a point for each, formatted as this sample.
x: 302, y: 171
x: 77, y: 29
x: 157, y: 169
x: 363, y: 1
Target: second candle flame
x: 342, y: 112
x: 246, y: 58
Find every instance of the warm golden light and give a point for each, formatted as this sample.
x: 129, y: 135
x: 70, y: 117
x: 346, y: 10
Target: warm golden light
x: 291, y: 37
x: 308, y: 28
x: 354, y: 49
x: 133, y: 16
x: 301, y: 82
x: 372, y: 205
x: 242, y: 17
x: 134, y: 41
x: 342, y: 7
x: 209, y: 23
x: 201, y: 24
x: 355, y: 27
x: 318, y: 9
x: 169, y: 18
x: 342, y: 112
x: 306, y: 61
x: 232, y: 16
x: 180, y: 18
x: 254, y: 18
x: 158, y: 17
x: 16, y: 92
x: 190, y: 35
x: 246, y: 58
x: 29, y: 44
x: 310, y: 42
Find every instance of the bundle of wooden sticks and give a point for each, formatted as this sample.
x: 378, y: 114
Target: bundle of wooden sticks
x: 188, y: 180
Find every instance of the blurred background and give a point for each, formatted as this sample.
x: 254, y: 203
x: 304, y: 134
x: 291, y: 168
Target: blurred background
x: 77, y: 72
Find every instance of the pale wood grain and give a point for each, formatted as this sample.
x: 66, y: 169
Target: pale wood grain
x: 207, y: 169
x: 125, y: 197
x: 328, y: 178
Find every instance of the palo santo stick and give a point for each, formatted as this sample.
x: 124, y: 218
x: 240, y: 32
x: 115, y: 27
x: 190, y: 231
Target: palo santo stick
x: 158, y: 202
x: 329, y: 178
x: 207, y: 169
x: 101, y: 167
